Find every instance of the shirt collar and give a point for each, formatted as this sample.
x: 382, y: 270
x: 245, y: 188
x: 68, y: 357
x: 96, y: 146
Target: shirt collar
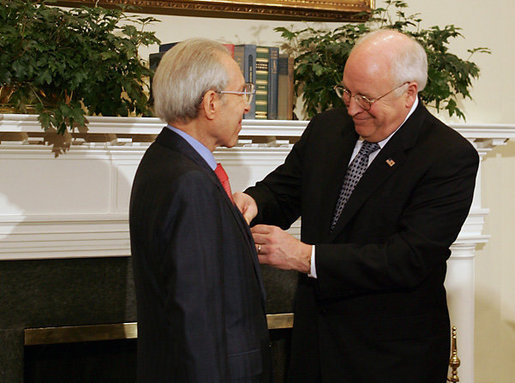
x: 203, y: 151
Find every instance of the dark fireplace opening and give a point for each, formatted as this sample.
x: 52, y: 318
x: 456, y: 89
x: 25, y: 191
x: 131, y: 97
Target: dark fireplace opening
x: 112, y: 361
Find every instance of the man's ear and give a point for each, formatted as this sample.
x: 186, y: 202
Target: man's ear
x: 411, y: 94
x: 210, y: 104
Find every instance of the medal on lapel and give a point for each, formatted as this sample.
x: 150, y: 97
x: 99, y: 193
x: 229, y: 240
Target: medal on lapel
x: 390, y: 162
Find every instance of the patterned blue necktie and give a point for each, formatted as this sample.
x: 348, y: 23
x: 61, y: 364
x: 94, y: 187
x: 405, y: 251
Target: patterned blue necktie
x: 353, y: 175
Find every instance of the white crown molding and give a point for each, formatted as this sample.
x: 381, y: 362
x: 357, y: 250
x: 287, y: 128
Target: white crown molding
x: 48, y: 236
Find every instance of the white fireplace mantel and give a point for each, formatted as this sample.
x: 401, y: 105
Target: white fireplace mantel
x: 76, y: 205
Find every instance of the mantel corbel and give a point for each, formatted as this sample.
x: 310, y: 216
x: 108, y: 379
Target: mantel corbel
x: 485, y: 137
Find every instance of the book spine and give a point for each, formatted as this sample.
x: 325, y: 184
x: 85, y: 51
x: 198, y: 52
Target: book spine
x: 262, y: 58
x: 285, y: 87
x: 291, y: 91
x: 245, y: 56
x: 230, y: 48
x: 167, y: 46
x: 273, y: 83
x: 153, y: 61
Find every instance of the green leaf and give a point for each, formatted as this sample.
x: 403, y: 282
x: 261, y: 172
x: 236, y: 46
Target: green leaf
x: 66, y: 61
x: 321, y: 54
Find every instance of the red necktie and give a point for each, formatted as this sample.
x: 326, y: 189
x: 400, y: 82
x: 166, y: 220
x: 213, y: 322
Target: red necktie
x: 224, y: 179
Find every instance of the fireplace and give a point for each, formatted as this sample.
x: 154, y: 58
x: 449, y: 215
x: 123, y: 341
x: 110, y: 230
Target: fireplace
x: 64, y: 243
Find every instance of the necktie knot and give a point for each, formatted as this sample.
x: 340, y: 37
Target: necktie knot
x: 368, y: 148
x: 224, y: 180
x: 221, y: 174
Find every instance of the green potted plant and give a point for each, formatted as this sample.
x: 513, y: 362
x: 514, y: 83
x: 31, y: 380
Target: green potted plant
x: 320, y: 57
x: 65, y: 64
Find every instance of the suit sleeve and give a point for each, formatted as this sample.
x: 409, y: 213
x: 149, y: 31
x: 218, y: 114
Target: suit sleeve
x: 279, y: 195
x: 193, y: 248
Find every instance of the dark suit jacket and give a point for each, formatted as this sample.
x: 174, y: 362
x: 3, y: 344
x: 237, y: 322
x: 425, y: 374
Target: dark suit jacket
x: 378, y: 311
x: 200, y: 298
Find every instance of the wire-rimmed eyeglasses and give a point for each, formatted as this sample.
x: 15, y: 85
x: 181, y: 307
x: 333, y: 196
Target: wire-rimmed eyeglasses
x: 363, y: 101
x: 247, y: 93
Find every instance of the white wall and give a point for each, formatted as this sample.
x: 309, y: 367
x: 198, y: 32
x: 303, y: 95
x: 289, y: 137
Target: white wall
x: 484, y: 24
x: 489, y: 24
x: 495, y: 264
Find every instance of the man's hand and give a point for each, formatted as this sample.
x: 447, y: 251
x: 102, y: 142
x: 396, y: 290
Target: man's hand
x: 247, y: 206
x: 279, y: 249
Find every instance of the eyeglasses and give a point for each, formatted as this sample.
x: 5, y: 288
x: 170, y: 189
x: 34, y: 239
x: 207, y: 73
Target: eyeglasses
x: 248, y: 92
x: 363, y: 101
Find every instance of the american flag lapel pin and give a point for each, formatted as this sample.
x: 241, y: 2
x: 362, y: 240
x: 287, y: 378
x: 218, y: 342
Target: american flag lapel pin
x: 390, y: 162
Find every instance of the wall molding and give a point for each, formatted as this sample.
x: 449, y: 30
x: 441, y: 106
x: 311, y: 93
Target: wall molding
x: 27, y: 233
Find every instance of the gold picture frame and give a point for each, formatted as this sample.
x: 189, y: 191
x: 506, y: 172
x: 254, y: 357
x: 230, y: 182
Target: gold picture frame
x: 301, y: 10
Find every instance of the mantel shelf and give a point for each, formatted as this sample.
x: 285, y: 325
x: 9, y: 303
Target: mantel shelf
x: 134, y: 126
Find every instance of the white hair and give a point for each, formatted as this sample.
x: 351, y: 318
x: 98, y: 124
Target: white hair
x: 184, y: 74
x: 410, y: 63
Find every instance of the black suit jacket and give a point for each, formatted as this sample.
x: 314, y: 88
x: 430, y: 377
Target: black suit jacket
x: 200, y: 298
x: 377, y: 311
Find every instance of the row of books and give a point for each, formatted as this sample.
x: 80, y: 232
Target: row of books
x: 270, y: 71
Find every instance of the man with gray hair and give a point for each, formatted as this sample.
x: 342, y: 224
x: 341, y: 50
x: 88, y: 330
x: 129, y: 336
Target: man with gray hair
x: 383, y: 188
x: 200, y: 297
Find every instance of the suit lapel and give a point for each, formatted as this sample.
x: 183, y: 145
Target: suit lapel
x: 245, y: 231
x: 252, y: 248
x: 389, y: 159
x: 173, y: 141
x: 343, y: 146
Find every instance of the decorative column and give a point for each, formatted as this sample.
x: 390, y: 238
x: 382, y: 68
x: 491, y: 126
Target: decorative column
x: 460, y: 272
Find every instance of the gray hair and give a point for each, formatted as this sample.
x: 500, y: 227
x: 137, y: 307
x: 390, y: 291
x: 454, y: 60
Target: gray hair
x: 410, y: 63
x: 184, y: 74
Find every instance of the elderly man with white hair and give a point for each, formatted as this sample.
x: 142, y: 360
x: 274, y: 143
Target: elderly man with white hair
x: 200, y: 296
x: 383, y: 188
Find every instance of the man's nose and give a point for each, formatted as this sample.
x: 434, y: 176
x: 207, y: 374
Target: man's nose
x: 353, y: 108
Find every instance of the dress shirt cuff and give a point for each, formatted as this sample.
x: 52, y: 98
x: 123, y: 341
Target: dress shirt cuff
x: 313, y: 271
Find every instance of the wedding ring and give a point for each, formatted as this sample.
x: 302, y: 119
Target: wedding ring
x: 259, y: 249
